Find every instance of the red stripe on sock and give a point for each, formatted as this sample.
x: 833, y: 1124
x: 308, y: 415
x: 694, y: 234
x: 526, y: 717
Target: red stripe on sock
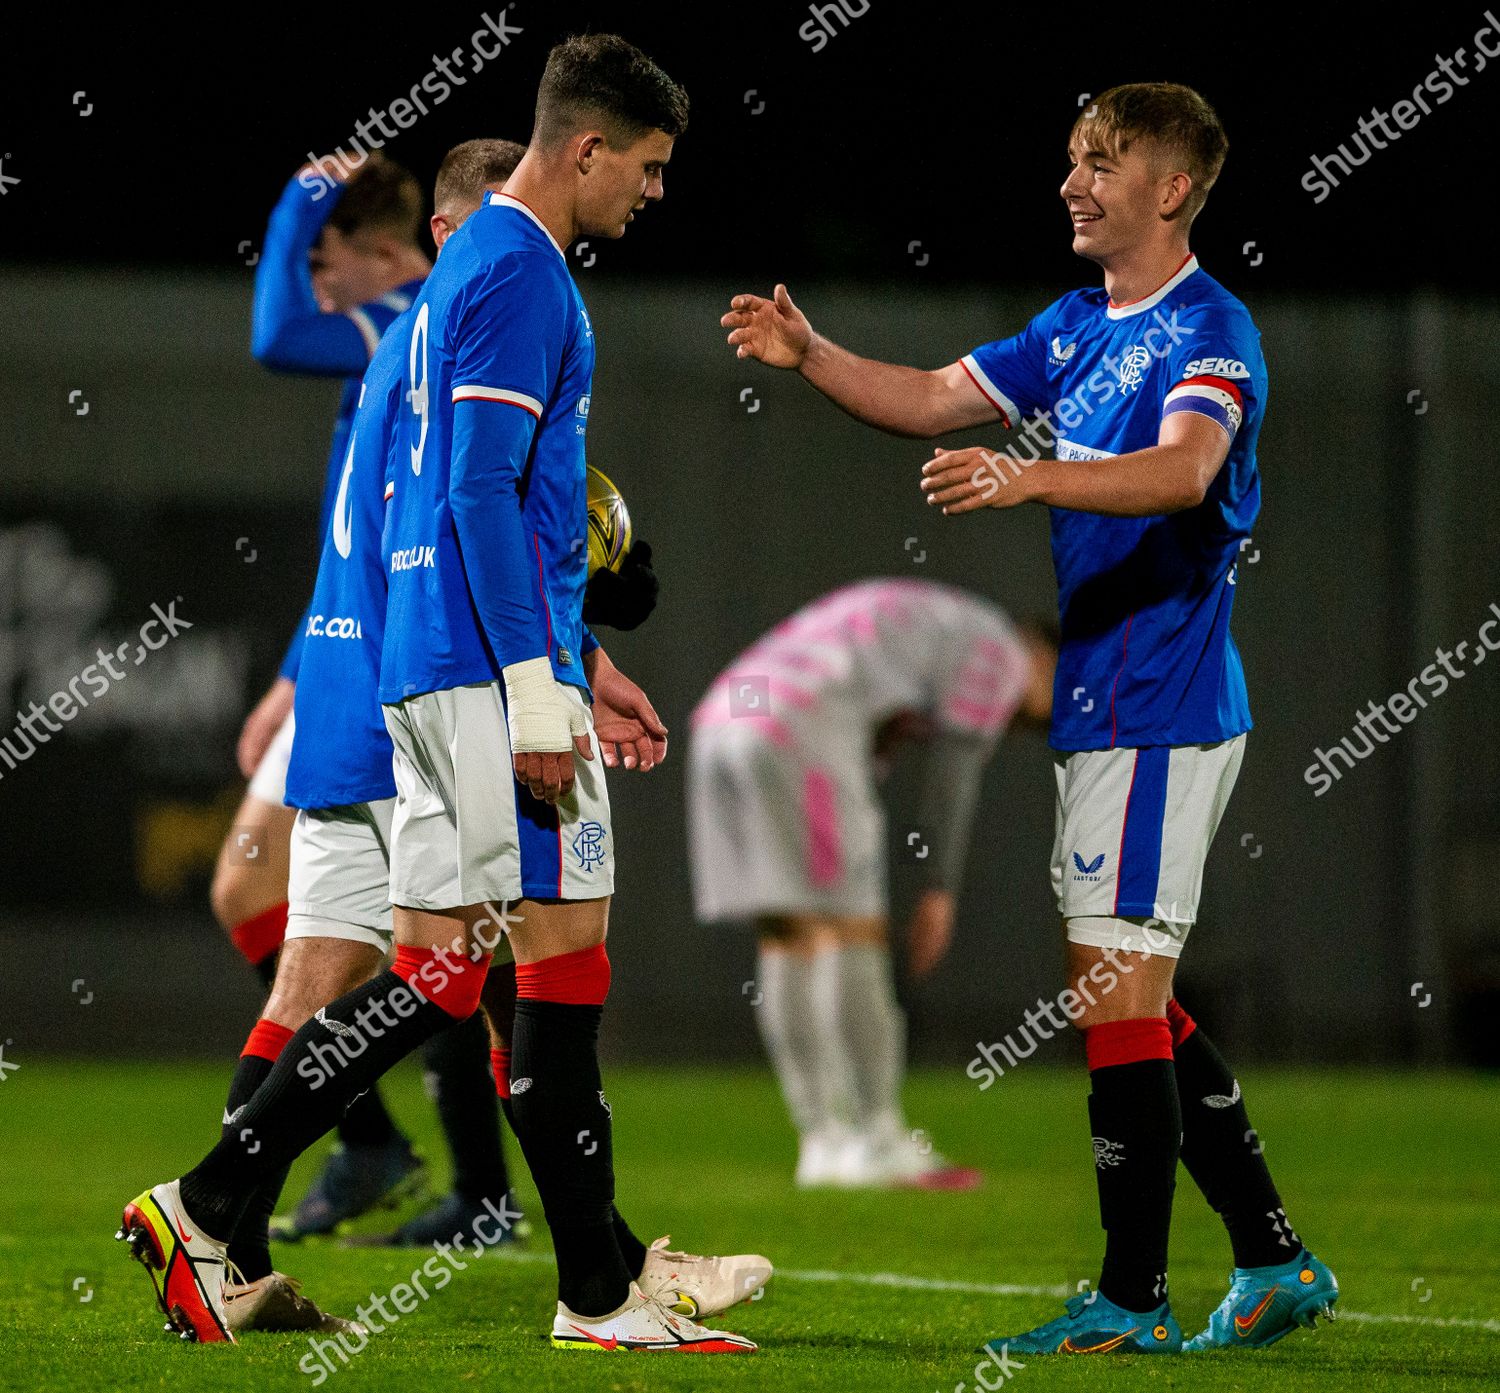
x: 443, y: 977
x: 1128, y: 1042
x: 500, y: 1068
x: 267, y: 1040
x: 258, y: 937
x: 1182, y: 1024
x: 571, y: 979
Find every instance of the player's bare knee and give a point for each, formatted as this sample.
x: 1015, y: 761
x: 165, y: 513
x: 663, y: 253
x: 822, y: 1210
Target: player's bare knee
x: 551, y: 928
x: 312, y: 972
x: 1109, y: 977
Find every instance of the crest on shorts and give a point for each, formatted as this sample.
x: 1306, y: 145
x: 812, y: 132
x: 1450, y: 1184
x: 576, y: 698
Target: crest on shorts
x: 588, y: 845
x: 1089, y: 867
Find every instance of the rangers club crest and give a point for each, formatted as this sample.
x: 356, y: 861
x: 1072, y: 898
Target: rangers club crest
x: 588, y: 845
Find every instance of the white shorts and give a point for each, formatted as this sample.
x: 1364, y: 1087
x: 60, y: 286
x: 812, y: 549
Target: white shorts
x: 1133, y: 831
x: 268, y: 783
x: 465, y: 831
x: 773, y: 832
x: 341, y: 874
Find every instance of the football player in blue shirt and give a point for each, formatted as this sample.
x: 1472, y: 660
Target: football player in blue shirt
x: 339, y: 776
x: 334, y: 272
x: 1150, y: 392
x: 487, y: 673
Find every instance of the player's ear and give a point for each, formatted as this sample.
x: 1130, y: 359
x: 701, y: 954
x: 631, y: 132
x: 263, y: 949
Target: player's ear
x: 588, y: 147
x: 1179, y: 186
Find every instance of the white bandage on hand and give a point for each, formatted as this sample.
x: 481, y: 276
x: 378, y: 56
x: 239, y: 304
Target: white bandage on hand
x: 543, y: 718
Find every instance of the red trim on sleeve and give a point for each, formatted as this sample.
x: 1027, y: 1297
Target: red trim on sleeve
x: 1004, y: 419
x: 461, y: 395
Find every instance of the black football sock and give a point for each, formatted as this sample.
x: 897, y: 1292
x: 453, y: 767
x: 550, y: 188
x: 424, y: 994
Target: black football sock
x: 1137, y: 1131
x: 366, y: 1122
x: 502, y: 1025
x: 250, y: 1247
x: 632, y: 1250
x: 1222, y: 1152
x: 562, y: 1121
x: 456, y: 1061
x: 563, y: 1125
x: 337, y: 1055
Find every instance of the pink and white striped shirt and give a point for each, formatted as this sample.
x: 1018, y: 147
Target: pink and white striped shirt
x: 871, y: 649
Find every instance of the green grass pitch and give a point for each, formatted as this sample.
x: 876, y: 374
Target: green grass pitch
x: 1393, y: 1178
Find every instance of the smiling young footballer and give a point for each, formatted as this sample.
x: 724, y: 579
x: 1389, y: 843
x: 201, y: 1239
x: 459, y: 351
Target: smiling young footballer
x: 486, y: 672
x: 1152, y: 389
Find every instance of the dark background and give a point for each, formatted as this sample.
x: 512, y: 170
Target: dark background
x: 1326, y: 921
x: 944, y: 122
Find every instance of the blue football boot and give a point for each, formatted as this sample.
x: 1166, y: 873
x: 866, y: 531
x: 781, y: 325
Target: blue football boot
x: 1095, y: 1325
x: 1265, y: 1303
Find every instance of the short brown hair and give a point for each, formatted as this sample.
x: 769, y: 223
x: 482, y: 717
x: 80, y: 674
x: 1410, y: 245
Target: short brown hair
x: 380, y: 196
x: 1175, y: 119
x: 468, y: 169
x: 603, y: 79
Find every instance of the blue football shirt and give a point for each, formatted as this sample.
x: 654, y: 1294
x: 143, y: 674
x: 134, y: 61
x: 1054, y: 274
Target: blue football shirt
x: 289, y: 333
x: 488, y: 529
x: 341, y: 753
x: 1147, y: 657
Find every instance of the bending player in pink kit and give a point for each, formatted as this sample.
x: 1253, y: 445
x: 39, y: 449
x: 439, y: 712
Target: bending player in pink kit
x: 787, y: 750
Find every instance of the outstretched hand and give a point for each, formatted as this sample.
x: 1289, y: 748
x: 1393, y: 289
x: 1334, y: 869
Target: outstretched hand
x: 775, y: 331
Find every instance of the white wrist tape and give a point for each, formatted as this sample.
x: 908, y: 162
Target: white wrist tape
x: 541, y: 716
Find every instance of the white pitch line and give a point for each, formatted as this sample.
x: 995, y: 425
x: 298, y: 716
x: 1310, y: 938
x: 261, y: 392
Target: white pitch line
x: 903, y: 1282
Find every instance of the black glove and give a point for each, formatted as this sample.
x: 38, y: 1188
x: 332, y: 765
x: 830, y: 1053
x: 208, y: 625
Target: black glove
x: 622, y: 599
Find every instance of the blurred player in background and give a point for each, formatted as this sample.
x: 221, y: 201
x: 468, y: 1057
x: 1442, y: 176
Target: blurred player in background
x: 333, y: 274
x: 786, y: 829
x: 1153, y: 389
x: 486, y: 669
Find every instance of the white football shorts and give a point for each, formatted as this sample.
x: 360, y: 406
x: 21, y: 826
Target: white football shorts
x: 1133, y: 828
x: 773, y: 831
x: 465, y: 831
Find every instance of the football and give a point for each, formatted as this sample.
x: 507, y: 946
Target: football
x: 609, y: 523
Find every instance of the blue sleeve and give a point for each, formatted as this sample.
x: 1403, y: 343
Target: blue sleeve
x: 288, y: 332
x: 293, y: 657
x: 589, y: 641
x: 508, y: 344
x: 1012, y: 373
x: 1214, y: 367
